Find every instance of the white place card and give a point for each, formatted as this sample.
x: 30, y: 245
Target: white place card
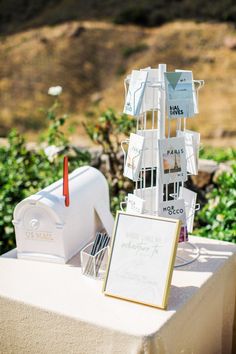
x: 149, y: 157
x: 195, y: 100
x: 134, y: 204
x: 134, y: 157
x: 134, y: 98
x: 149, y: 196
x: 197, y: 140
x: 172, y: 160
x: 190, y: 198
x: 192, y: 143
x: 179, y: 94
x: 152, y: 92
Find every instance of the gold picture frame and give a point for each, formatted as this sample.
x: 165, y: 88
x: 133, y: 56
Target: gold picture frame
x: 141, y: 260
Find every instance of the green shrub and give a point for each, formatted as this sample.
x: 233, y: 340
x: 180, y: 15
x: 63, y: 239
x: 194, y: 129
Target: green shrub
x: 128, y: 51
x: 149, y: 15
x: 108, y: 131
x: 218, y: 154
x: 134, y: 14
x: 157, y: 12
x: 24, y: 172
x: 218, y: 217
x: 121, y: 70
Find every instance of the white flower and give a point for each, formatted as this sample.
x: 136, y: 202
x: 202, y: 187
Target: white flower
x: 51, y: 151
x: 220, y: 217
x: 55, y: 90
x: 214, y: 202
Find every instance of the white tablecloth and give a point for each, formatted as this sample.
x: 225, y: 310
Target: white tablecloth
x: 49, y: 308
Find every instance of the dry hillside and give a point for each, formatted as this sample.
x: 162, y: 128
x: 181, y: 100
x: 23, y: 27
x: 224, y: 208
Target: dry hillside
x: 91, y: 59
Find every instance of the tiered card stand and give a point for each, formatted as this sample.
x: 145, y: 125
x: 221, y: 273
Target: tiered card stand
x: 153, y: 125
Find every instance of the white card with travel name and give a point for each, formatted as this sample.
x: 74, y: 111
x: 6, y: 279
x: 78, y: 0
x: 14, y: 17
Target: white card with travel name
x: 134, y: 98
x: 172, y: 160
x: 192, y: 142
x: 151, y: 94
x: 149, y: 158
x: 179, y: 94
x: 134, y: 204
x: 175, y: 209
x: 195, y: 100
x: 134, y: 157
x: 190, y: 198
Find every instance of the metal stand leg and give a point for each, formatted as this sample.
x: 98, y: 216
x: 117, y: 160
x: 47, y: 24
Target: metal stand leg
x: 187, y: 253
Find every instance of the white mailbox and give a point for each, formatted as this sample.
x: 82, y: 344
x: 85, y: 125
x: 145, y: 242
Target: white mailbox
x: 47, y: 230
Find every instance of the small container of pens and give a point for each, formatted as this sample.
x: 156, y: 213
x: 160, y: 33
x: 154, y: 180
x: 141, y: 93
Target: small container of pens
x: 94, y: 256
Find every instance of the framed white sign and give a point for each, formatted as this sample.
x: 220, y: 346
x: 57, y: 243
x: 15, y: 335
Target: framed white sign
x: 142, y: 257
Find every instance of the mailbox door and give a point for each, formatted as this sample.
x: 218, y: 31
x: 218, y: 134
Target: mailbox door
x: 39, y: 232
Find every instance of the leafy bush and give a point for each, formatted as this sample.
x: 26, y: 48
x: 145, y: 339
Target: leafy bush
x: 218, y: 154
x: 108, y: 131
x: 148, y: 15
x: 136, y: 15
x: 24, y: 171
x: 218, y: 218
x: 155, y: 13
x: 128, y: 51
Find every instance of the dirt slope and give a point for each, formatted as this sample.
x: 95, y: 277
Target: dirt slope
x: 91, y: 59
